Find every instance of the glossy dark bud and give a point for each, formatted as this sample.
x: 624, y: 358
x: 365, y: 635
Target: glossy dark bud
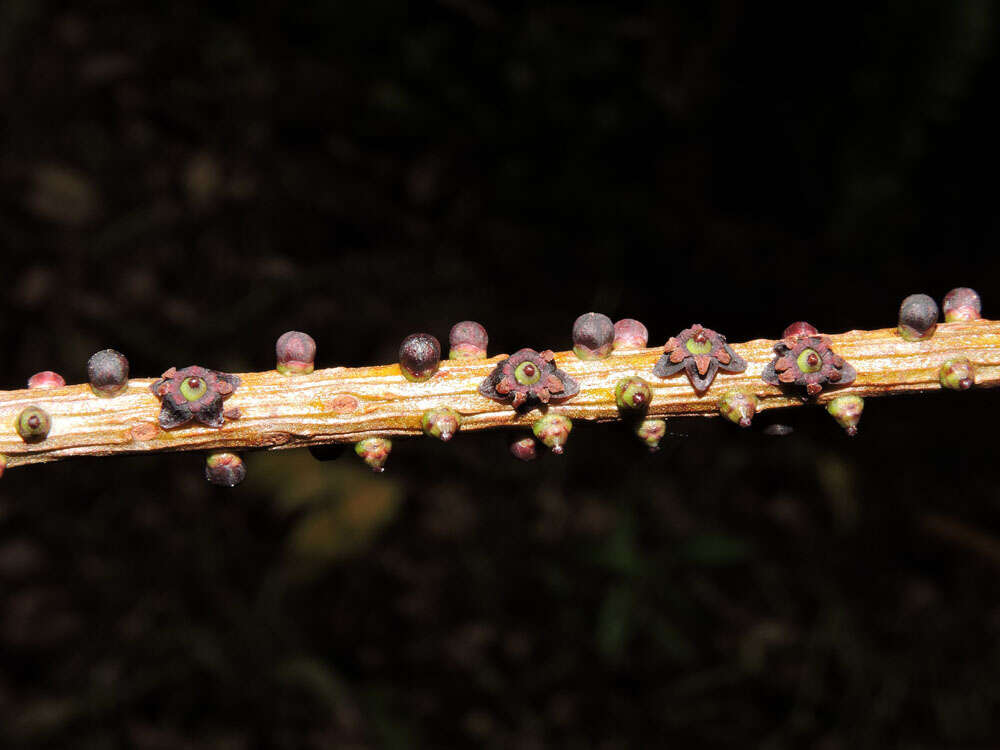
x: 630, y: 334
x: 419, y: 356
x: 467, y: 340
x: 918, y: 317
x: 46, y: 379
x: 593, y: 336
x: 524, y: 449
x: 107, y: 372
x: 962, y: 305
x: 295, y: 352
x: 33, y: 424
x: 225, y: 469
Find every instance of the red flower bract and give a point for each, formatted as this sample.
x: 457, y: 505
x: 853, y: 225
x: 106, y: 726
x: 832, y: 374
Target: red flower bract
x: 194, y: 393
x: 807, y: 361
x: 528, y: 377
x: 702, y: 353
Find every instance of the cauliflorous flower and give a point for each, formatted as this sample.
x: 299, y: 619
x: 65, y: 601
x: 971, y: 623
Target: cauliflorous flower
x: 194, y: 393
x: 702, y: 353
x: 807, y: 361
x: 528, y: 377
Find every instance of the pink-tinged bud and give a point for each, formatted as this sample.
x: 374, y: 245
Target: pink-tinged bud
x: 440, y: 423
x: 552, y: 431
x: 962, y: 305
x: 633, y: 394
x: 847, y: 411
x: 525, y: 448
x: 374, y: 451
x: 419, y: 356
x: 467, y: 340
x: 799, y: 328
x: 107, y: 372
x: 918, y: 317
x: 46, y: 379
x: 651, y: 432
x: 593, y: 336
x: 739, y: 407
x: 958, y: 374
x: 630, y: 334
x: 296, y: 353
x: 33, y: 424
x: 225, y: 469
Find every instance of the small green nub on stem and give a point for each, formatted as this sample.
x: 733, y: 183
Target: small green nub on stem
x: 33, y: 424
x: 847, y: 411
x: 225, y: 469
x: 46, y: 379
x: 552, y: 431
x: 651, y: 432
x: 918, y: 317
x: 441, y: 423
x: 419, y: 356
x: 630, y: 334
x: 107, y: 372
x: 593, y: 336
x: 296, y: 353
x: 961, y: 305
x: 467, y: 340
x: 374, y: 451
x: 738, y: 407
x: 525, y: 448
x: 957, y: 374
x: 633, y: 394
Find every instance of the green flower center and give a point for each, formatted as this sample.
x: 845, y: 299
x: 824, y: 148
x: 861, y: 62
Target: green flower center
x: 809, y: 361
x: 193, y: 388
x: 699, y: 344
x: 527, y: 373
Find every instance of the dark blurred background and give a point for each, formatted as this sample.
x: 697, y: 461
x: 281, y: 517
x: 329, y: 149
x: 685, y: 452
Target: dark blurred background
x: 184, y: 181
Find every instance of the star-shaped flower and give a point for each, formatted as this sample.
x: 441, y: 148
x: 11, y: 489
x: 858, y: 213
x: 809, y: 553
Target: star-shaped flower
x: 807, y: 361
x: 528, y: 377
x: 194, y: 393
x: 702, y: 353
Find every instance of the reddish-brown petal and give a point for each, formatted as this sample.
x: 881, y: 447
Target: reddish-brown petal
x: 503, y: 387
x: 519, y: 398
x: 813, y: 388
x: 834, y: 376
x: 723, y: 357
x: 702, y: 361
x: 783, y: 363
x: 547, y: 355
x: 554, y: 384
x: 786, y: 376
x: 676, y: 356
x: 542, y: 394
x: 223, y: 387
x: 169, y: 373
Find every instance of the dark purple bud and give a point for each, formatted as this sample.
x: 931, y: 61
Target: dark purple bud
x: 525, y: 448
x: 799, y: 328
x: 467, y: 340
x: 329, y: 452
x: 962, y: 305
x: 296, y: 353
x: 958, y: 374
x: 33, y: 424
x: 593, y: 336
x: 46, y: 379
x: 441, y: 423
x: 630, y: 334
x: 225, y: 469
x: 374, y: 451
x: 918, y: 317
x: 107, y: 372
x: 419, y: 356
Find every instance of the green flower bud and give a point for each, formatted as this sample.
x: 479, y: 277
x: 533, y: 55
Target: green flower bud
x: 633, y: 394
x: 33, y: 424
x: 847, y: 411
x: 225, y: 469
x: 957, y: 374
x: 374, y: 451
x: 739, y: 407
x: 552, y: 431
x: 440, y: 423
x: 651, y: 432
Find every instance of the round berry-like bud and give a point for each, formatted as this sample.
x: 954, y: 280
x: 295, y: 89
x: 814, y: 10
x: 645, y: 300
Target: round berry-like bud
x: 847, y: 411
x: 467, y: 340
x: 651, y: 432
x: 552, y: 431
x: 738, y: 407
x: 957, y: 374
x: 107, y: 372
x: 633, y: 394
x: 225, y: 469
x: 593, y: 336
x: 799, y: 328
x: 327, y: 452
x: 419, y: 356
x: 374, y: 451
x: 46, y: 379
x: 33, y: 424
x: 440, y: 423
x: 961, y: 305
x: 525, y: 448
x: 918, y: 317
x: 296, y: 353
x: 630, y: 334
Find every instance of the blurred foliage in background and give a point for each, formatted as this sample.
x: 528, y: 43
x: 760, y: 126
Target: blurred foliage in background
x: 184, y: 181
